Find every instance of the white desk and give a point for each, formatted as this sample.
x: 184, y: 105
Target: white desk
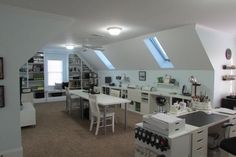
x: 193, y: 140
x: 103, y: 101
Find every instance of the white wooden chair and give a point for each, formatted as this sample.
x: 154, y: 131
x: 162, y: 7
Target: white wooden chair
x: 115, y: 93
x: 72, y: 101
x: 97, y: 115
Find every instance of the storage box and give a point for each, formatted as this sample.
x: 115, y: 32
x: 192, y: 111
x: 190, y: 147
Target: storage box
x: 163, y: 123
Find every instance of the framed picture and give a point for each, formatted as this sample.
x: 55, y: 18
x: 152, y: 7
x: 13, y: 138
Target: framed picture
x: 1, y: 69
x: 2, y: 100
x: 228, y: 54
x: 142, y: 75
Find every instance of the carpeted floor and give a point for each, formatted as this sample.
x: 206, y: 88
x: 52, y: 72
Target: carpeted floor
x: 58, y: 134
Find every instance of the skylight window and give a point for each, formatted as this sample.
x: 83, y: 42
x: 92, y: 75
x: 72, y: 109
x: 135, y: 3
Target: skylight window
x: 104, y: 59
x: 158, y: 52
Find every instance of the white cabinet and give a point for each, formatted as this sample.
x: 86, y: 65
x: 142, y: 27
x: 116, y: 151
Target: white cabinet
x: 199, y: 142
x: 145, y: 107
x: 134, y: 95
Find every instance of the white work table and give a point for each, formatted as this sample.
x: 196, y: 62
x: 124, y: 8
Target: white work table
x: 103, y: 101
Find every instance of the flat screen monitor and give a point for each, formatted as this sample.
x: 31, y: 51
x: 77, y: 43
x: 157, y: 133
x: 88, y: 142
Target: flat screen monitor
x: 108, y: 79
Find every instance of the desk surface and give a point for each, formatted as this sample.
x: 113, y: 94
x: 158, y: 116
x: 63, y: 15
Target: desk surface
x: 201, y: 119
x: 102, y: 99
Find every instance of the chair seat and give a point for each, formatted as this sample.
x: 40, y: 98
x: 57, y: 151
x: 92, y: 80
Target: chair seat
x: 109, y: 114
x: 229, y: 145
x: 74, y: 96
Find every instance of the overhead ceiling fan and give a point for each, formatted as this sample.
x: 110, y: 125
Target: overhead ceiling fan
x: 92, y: 43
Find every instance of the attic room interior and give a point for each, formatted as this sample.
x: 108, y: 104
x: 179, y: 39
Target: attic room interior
x: 117, y: 78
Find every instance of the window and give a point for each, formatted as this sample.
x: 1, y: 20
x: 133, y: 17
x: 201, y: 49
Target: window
x: 158, y: 52
x: 55, y: 72
x: 104, y: 59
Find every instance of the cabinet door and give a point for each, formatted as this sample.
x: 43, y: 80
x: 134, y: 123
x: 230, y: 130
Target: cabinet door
x: 145, y: 108
x: 134, y: 95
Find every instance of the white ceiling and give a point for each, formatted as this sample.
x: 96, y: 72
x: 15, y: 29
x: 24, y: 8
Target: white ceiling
x: 137, y: 17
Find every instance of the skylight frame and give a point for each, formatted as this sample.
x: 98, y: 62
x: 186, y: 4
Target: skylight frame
x: 104, y: 59
x: 158, y: 52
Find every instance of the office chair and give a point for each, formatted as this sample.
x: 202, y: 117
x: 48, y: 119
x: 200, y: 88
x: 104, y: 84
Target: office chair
x: 228, y: 145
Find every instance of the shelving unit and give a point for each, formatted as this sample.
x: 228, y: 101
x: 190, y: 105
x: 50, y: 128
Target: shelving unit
x: 32, y: 73
x: 229, y: 77
x: 80, y: 75
x: 74, y: 72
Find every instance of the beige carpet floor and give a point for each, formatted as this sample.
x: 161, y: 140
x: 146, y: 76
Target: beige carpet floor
x: 58, y: 134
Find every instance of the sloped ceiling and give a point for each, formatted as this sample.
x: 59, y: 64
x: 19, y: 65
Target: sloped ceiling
x: 181, y: 44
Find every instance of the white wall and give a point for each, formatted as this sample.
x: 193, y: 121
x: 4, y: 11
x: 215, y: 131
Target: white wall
x: 215, y: 44
x: 181, y: 44
x: 205, y: 77
x: 22, y: 34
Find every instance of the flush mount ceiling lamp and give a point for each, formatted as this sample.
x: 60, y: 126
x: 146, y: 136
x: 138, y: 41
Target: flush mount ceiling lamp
x: 114, y: 31
x: 71, y: 46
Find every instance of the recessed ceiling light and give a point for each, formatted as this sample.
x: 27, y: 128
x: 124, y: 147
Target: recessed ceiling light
x: 114, y: 30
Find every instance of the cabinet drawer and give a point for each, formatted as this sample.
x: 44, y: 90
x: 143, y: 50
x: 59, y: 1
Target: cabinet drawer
x: 200, y: 143
x: 232, y: 131
x: 233, y: 120
x: 200, y: 134
x: 199, y: 152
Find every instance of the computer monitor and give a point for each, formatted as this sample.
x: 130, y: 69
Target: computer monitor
x: 108, y: 79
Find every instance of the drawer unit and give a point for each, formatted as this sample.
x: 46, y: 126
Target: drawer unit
x: 199, y: 143
x: 232, y: 131
x: 152, y: 144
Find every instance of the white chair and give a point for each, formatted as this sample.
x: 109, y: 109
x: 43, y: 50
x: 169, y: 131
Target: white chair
x: 72, y: 101
x: 115, y: 93
x: 97, y: 115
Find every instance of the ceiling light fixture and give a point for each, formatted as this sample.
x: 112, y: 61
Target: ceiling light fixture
x: 114, y: 31
x: 69, y: 47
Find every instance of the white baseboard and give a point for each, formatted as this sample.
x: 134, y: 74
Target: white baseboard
x: 17, y: 152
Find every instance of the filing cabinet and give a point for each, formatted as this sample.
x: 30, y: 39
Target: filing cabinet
x: 199, y: 142
x: 232, y: 129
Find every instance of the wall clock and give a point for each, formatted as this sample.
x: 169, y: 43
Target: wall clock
x: 228, y: 54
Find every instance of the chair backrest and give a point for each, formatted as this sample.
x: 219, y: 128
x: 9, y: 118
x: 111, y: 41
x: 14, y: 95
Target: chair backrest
x: 93, y: 105
x: 97, y: 89
x: 68, y: 96
x: 115, y: 93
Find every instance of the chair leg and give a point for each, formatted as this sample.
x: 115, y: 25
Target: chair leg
x: 113, y: 123
x: 98, y: 124
x: 91, y: 123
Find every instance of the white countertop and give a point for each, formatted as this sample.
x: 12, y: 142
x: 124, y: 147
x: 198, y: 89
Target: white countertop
x: 158, y: 92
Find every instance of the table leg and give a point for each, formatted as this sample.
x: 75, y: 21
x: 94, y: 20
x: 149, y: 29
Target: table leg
x: 125, y: 115
x: 81, y: 108
x: 104, y: 120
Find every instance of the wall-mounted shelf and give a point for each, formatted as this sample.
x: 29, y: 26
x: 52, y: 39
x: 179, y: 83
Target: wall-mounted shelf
x: 230, y: 67
x: 229, y: 77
